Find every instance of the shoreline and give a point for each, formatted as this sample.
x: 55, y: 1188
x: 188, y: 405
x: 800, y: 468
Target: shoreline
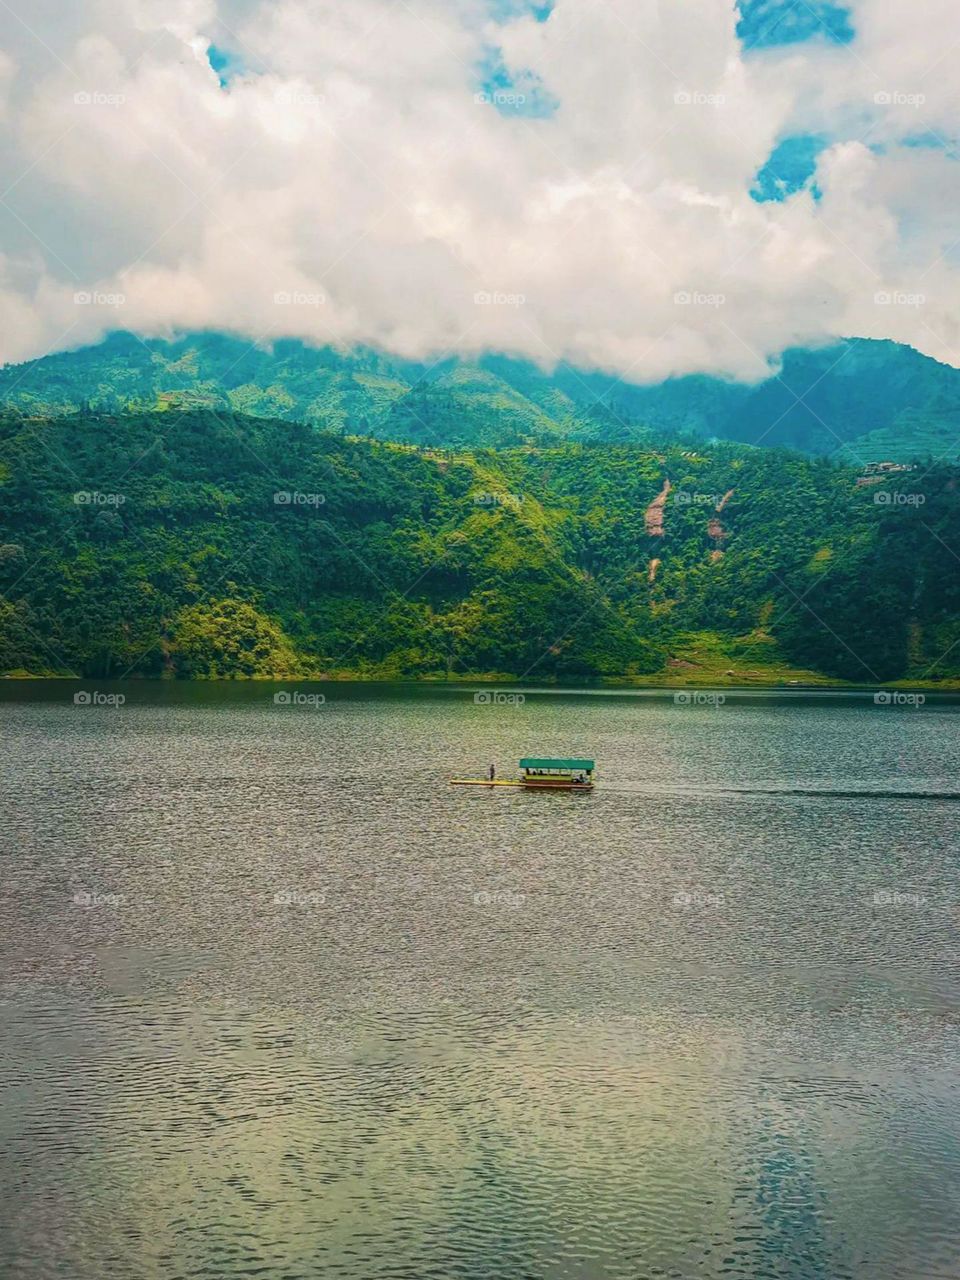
x: 515, y: 685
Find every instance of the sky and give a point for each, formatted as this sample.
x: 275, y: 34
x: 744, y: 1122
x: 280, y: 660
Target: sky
x: 648, y: 187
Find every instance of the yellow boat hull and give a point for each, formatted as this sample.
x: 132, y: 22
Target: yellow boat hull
x: 483, y: 782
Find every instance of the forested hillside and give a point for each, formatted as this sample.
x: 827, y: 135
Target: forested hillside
x: 213, y: 544
x: 870, y: 401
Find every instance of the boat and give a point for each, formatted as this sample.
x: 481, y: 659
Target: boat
x: 541, y: 775
x: 557, y: 775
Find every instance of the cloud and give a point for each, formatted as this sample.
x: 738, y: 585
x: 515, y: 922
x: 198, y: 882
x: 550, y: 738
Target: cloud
x: 356, y: 174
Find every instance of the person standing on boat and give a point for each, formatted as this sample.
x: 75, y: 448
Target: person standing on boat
x: 492, y: 772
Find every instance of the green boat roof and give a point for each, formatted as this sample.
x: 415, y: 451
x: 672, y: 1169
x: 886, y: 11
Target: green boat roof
x: 531, y: 763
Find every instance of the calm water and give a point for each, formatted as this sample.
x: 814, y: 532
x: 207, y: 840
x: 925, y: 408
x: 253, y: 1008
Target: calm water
x: 279, y: 1002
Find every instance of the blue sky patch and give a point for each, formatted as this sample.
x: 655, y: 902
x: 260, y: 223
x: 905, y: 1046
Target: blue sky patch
x: 224, y: 64
x: 932, y: 141
x: 790, y: 166
x: 504, y: 10
x: 520, y: 93
x: 766, y: 23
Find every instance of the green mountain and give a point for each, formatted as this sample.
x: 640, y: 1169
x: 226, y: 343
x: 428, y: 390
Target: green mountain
x: 362, y: 393
x: 871, y: 401
x: 207, y: 543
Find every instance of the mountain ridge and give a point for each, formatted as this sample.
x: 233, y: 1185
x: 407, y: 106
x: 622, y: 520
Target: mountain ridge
x: 872, y: 400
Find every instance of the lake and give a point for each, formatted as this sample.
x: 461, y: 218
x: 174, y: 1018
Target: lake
x: 280, y: 1002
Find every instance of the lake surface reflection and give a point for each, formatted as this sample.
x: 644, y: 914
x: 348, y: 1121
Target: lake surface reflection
x: 280, y: 1002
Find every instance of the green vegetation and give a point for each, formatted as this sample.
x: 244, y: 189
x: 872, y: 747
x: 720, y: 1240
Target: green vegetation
x: 363, y: 392
x: 208, y: 545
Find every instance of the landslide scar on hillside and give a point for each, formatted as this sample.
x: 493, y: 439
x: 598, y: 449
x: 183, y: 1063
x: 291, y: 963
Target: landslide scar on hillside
x: 714, y: 527
x: 653, y: 516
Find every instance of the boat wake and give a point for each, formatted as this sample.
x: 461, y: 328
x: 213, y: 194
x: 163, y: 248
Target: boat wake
x: 828, y: 793
x: 842, y: 794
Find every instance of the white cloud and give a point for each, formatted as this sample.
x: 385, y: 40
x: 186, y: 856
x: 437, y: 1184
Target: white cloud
x: 349, y: 169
